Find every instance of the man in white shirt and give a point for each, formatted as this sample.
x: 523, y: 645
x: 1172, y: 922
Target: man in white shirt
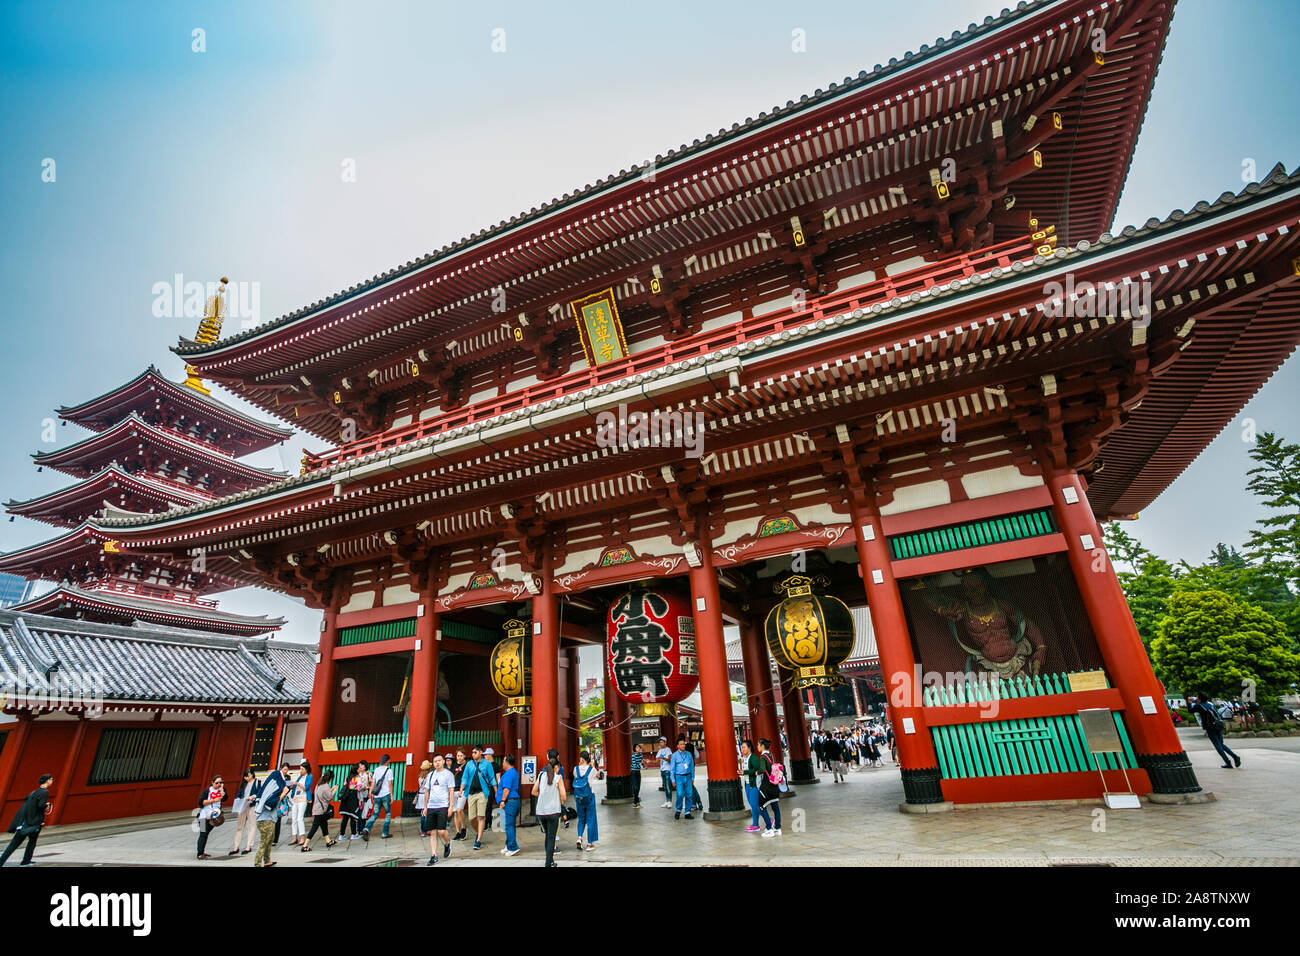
x: 381, y: 789
x: 665, y: 754
x: 437, y: 792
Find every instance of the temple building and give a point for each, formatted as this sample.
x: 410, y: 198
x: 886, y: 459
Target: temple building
x: 875, y: 348
x: 153, y: 445
x: 125, y: 679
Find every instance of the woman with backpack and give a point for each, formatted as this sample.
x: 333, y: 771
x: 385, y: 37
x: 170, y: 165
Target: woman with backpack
x: 585, y: 800
x: 753, y: 767
x: 549, y: 789
x: 321, y: 810
x: 350, y: 807
x: 770, y: 784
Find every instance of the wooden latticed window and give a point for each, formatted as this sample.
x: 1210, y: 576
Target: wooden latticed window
x: 130, y: 755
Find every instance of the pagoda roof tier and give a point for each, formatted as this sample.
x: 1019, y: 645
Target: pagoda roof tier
x: 129, y: 439
x: 139, y: 493
x: 848, y: 163
x: 158, y: 399
x: 121, y: 603
x: 1224, y: 298
x: 86, y: 554
x: 51, y: 659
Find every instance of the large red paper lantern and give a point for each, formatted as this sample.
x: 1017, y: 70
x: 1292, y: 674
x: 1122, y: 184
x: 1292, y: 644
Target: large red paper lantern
x: 651, y: 641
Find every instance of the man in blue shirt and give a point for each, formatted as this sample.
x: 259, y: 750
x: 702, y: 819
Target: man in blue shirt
x: 476, y: 783
x: 268, y: 805
x: 665, y: 777
x: 508, y: 803
x: 682, y: 767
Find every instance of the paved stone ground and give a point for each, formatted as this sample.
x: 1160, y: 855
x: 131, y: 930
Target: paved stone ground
x: 855, y: 823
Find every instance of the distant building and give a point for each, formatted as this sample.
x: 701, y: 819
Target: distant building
x: 14, y: 590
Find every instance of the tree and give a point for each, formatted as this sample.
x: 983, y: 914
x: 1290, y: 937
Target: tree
x: 1147, y: 583
x: 1229, y: 571
x: 596, y: 707
x: 1276, y: 479
x: 1210, y: 641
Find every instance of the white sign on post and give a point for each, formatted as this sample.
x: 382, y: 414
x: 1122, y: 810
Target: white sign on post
x: 528, y: 770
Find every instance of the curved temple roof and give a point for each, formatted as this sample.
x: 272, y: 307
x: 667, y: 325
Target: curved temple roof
x: 56, y: 662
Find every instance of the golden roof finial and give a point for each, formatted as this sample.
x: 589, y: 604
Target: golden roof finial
x: 214, y: 314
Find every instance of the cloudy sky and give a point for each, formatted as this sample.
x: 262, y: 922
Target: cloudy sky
x: 231, y: 161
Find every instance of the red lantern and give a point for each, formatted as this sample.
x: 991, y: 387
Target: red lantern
x: 651, y: 640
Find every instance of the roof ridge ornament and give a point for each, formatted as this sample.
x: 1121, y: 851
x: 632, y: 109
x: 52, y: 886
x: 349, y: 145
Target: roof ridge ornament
x: 214, y: 314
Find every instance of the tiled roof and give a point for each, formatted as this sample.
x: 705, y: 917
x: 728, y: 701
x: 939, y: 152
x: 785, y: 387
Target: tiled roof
x: 71, y: 412
x: 1277, y: 180
x: 132, y: 604
x: 53, y: 659
x: 771, y: 117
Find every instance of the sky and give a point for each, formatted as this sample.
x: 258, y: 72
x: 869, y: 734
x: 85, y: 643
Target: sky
x: 303, y: 147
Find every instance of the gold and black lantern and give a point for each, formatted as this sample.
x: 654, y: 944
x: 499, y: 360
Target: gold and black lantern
x: 512, y: 668
x: 809, y: 633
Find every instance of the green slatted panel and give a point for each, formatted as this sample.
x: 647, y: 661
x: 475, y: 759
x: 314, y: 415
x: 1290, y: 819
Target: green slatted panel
x: 371, y: 741
x: 972, y: 534
x: 341, y: 776
x: 384, y: 631
x: 1032, y: 745
x: 468, y: 632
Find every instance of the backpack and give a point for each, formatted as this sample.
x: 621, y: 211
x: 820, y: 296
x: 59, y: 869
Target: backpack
x: 776, y: 774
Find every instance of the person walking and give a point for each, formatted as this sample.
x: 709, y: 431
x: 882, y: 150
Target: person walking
x: 682, y: 766
x: 350, y: 807
x: 209, y: 811
x: 301, y: 798
x: 476, y: 784
x: 753, y: 766
x: 831, y: 750
x: 458, y: 808
x: 382, y: 789
x: 321, y: 810
x: 245, y: 814
x: 508, y: 803
x: 585, y: 800
x: 769, y: 786
x: 29, y: 819
x: 635, y: 777
x: 551, y: 795
x: 268, y: 804
x: 697, y: 803
x: 665, y: 756
x: 437, y: 791
x: 1213, y: 726
x: 817, y: 750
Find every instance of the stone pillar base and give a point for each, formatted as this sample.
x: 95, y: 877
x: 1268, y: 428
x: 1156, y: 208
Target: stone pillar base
x: 921, y: 786
x: 725, y: 800
x: 713, y: 816
x: 618, y: 789
x: 944, y: 807
x: 1170, y: 773
x: 1204, y: 796
x: 801, y: 772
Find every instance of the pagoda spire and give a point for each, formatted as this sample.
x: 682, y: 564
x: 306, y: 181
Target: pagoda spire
x: 214, y: 314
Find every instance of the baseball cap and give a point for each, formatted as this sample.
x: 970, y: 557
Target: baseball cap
x: 489, y: 752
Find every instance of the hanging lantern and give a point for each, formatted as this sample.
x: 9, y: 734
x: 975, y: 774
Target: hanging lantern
x: 511, y: 663
x: 810, y: 634
x: 651, y: 640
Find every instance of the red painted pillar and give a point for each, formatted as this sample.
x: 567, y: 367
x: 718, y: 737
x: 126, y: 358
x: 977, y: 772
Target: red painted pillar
x: 248, y: 746
x: 1155, y: 741
x: 545, y: 719
x: 760, y: 695
x: 424, y: 681
x: 277, y: 744
x: 324, y: 691
x: 572, y: 731
x: 715, y: 689
x: 916, y: 754
x: 618, y: 744
x: 63, y: 781
x: 800, y: 767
